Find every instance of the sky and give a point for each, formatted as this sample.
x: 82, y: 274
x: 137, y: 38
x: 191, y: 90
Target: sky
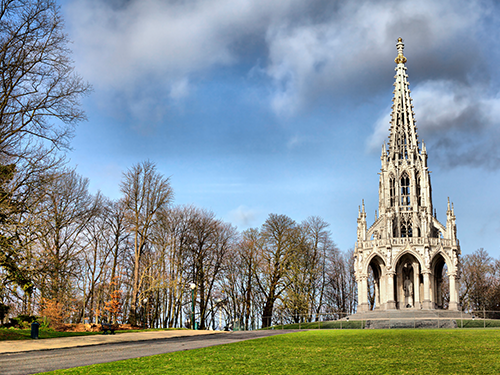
x: 254, y: 107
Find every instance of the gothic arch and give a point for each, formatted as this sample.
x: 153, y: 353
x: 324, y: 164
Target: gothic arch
x: 440, y: 252
x: 408, y: 250
x: 439, y: 280
x: 375, y: 268
x: 408, y: 280
x: 371, y: 257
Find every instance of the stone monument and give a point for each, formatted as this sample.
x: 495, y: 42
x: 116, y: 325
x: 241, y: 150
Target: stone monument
x: 406, y: 248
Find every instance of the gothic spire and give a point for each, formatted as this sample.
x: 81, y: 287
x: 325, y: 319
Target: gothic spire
x: 403, y: 140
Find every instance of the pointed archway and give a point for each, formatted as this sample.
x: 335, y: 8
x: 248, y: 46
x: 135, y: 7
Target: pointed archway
x: 440, y: 287
x: 407, y: 288
x: 376, y: 288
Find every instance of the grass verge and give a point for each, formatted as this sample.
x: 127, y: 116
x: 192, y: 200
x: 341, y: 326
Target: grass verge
x: 404, y: 351
x: 334, y: 324
x: 25, y: 334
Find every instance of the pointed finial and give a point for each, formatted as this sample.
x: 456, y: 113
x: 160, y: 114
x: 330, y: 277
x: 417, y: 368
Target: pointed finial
x: 400, y: 59
x: 363, y: 204
x: 448, y: 203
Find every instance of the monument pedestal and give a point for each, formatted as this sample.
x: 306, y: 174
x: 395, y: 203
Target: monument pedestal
x: 427, y: 305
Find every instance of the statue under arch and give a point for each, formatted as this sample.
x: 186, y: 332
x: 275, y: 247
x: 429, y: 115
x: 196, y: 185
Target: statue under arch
x: 406, y: 252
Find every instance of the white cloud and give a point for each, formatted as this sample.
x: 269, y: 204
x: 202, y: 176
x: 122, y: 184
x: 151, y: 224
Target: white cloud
x: 179, y: 89
x: 243, y: 216
x: 119, y: 45
x: 380, y: 133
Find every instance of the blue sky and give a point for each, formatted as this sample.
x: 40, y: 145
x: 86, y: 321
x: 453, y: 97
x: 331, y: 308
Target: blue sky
x: 256, y: 107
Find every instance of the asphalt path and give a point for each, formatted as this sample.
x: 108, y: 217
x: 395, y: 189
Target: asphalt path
x: 34, y: 362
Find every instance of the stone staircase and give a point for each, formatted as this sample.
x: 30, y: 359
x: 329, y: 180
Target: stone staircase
x: 410, y: 318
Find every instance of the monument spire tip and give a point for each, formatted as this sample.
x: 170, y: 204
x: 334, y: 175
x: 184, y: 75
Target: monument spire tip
x: 400, y: 59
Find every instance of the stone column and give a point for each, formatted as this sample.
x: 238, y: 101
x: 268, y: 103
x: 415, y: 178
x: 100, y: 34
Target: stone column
x: 400, y: 294
x: 391, y: 303
x: 383, y: 290
x: 363, y: 294
x: 416, y: 286
x: 426, y: 304
x: 453, y: 293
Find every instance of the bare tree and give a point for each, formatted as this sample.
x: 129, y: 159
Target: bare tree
x: 118, y: 243
x: 171, y: 239
x: 279, y: 235
x: 37, y: 78
x: 65, y: 211
x: 478, y: 279
x: 340, y: 282
x: 320, y: 246
x: 240, y: 296
x: 98, y: 241
x: 209, y: 243
x: 146, y: 192
x: 39, y: 108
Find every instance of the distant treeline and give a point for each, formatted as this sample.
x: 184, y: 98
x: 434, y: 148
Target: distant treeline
x: 83, y: 257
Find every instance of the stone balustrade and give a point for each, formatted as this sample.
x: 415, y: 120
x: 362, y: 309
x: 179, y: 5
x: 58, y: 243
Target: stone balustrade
x: 401, y: 241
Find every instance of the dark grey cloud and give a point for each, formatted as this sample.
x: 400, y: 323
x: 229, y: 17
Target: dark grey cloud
x: 459, y: 122
x: 348, y: 54
x: 305, y: 48
x: 150, y: 55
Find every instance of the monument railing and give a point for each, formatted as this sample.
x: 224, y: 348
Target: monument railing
x: 391, y: 319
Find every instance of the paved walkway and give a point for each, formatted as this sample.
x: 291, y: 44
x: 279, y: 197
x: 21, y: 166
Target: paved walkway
x: 62, y: 353
x: 15, y: 346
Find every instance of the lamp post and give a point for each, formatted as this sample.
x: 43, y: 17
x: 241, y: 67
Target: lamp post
x: 193, y: 287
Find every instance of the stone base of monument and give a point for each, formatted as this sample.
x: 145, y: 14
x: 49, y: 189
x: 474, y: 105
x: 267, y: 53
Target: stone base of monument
x: 410, y: 318
x: 410, y: 323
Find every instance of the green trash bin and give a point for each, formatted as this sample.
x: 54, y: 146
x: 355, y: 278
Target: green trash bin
x: 195, y: 325
x: 35, y: 327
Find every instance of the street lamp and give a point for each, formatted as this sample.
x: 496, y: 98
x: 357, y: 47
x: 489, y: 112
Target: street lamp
x: 193, y: 287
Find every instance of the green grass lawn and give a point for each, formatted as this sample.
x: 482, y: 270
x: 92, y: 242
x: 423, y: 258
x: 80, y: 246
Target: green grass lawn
x: 478, y: 323
x: 403, y: 351
x: 25, y: 334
